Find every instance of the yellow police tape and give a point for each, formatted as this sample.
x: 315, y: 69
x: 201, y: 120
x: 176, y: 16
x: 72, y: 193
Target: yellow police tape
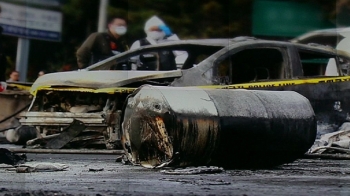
x: 81, y: 89
x: 281, y: 83
x: 232, y: 86
x: 20, y: 86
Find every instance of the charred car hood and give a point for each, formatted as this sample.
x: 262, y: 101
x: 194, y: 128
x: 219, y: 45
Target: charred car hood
x: 98, y: 79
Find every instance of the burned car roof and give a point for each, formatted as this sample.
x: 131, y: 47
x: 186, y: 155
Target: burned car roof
x: 96, y: 76
x: 329, y: 37
x: 188, y: 45
x: 96, y: 79
x: 338, y: 38
x: 214, y: 50
x: 194, y: 46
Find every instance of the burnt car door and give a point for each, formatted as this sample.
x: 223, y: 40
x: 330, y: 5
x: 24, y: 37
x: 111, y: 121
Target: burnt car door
x: 326, y: 85
x: 319, y: 75
x: 246, y: 63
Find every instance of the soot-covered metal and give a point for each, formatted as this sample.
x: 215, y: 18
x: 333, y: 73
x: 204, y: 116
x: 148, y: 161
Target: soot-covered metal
x: 317, y: 72
x: 183, y: 126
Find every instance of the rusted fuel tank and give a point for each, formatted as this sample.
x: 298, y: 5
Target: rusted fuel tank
x: 185, y: 126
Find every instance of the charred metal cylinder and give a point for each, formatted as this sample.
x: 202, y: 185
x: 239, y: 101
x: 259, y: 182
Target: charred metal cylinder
x: 185, y: 126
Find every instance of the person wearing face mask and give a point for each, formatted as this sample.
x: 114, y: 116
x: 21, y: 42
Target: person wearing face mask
x: 101, y: 45
x: 156, y: 31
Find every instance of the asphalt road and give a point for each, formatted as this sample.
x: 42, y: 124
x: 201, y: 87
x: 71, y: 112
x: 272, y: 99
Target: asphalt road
x: 302, y: 177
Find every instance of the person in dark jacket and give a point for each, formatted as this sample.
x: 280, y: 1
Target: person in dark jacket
x: 101, y: 45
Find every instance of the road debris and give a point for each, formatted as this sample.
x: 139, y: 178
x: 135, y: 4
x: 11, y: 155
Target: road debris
x: 21, y: 134
x: 95, y: 169
x: 66, y: 135
x: 39, y: 167
x: 58, y: 141
x: 11, y: 158
x: 194, y: 170
x: 327, y: 156
x: 66, y: 151
x: 332, y: 143
x: 199, y: 182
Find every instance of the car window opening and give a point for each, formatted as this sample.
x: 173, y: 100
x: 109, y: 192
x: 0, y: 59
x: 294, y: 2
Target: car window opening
x: 251, y: 65
x: 198, y: 54
x: 318, y: 64
x: 344, y: 65
x: 171, y: 58
x: 327, y: 40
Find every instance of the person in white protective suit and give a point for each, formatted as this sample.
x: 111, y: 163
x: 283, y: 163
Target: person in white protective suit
x: 156, y: 32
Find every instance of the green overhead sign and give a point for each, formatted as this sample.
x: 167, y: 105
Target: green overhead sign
x: 286, y: 18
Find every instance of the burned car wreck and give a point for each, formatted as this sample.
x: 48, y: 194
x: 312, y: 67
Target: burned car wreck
x: 96, y: 97
x: 103, y: 99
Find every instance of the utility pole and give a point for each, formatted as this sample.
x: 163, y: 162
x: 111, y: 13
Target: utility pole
x: 102, y: 18
x: 22, y: 58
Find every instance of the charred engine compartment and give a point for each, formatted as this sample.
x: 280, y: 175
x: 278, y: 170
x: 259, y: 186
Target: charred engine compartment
x: 52, y: 111
x: 69, y: 101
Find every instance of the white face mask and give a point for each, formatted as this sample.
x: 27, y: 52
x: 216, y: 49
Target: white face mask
x: 120, y: 30
x: 156, y: 35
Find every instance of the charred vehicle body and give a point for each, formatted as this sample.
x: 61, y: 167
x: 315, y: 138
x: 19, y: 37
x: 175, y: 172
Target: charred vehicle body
x: 14, y: 99
x: 330, y: 37
x: 102, y: 98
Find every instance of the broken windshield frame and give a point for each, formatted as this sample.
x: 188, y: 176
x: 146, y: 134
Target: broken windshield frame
x: 193, y: 48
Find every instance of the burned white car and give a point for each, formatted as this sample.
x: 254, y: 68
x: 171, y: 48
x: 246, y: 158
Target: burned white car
x: 110, y: 110
x: 96, y: 97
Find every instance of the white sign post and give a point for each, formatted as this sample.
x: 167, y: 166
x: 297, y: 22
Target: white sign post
x: 102, y: 16
x: 22, y: 58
